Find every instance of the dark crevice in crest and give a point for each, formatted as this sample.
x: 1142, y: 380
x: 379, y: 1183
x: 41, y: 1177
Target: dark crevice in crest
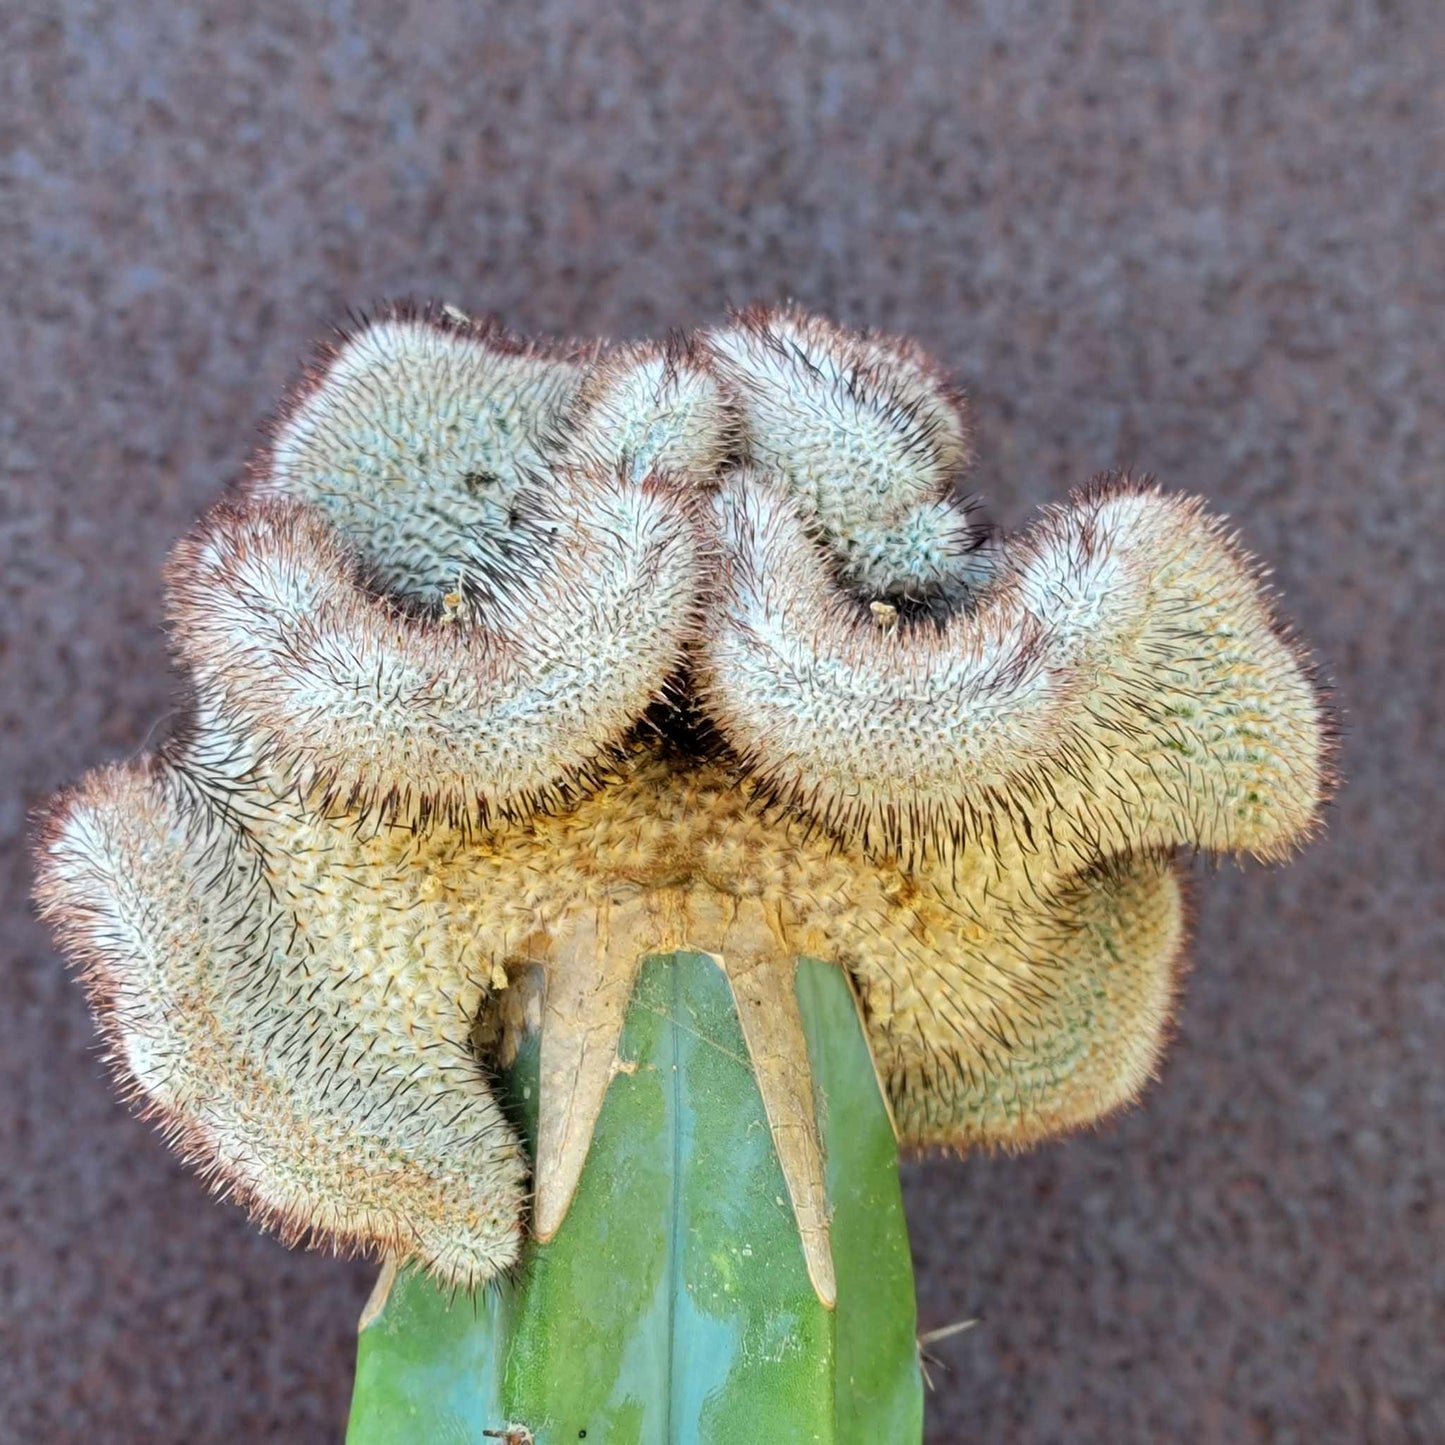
x: 676, y: 729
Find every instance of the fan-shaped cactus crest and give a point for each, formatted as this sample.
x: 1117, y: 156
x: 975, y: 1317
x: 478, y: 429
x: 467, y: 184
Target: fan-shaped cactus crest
x: 508, y: 655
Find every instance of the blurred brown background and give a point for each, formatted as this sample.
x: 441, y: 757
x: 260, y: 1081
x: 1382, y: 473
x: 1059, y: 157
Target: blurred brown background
x: 1177, y: 236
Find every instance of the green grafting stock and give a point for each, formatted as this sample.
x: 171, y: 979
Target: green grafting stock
x: 674, y: 1304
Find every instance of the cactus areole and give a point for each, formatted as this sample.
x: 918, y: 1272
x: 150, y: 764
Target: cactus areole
x: 512, y: 661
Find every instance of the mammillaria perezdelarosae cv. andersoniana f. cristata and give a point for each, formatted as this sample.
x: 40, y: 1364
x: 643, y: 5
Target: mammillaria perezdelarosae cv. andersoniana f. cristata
x: 506, y: 654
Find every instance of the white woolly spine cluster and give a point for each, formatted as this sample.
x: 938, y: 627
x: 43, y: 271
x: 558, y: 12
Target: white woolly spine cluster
x: 868, y: 441
x: 651, y: 411
x: 418, y: 435
x: 1123, y: 643
x: 220, y: 1009
x: 497, y: 709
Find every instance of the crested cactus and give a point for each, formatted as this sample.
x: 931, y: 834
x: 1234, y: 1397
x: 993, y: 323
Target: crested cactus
x: 508, y: 656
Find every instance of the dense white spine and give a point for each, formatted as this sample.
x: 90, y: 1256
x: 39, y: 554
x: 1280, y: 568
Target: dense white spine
x: 1119, y: 684
x: 496, y: 708
x: 868, y: 440
x: 417, y: 435
x: 230, y: 978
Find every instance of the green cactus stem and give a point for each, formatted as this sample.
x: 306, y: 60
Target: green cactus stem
x: 675, y: 1301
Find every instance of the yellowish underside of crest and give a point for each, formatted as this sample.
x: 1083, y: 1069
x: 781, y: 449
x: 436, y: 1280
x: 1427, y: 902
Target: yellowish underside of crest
x: 299, y: 997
